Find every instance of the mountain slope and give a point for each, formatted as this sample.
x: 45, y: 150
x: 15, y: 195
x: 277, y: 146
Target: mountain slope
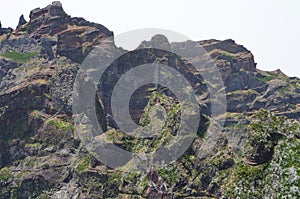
x: 42, y: 155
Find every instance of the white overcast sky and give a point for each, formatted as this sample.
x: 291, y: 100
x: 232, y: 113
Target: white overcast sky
x: 268, y: 28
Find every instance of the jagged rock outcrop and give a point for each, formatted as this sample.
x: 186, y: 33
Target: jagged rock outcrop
x: 75, y: 37
x: 5, y: 30
x: 42, y: 21
x: 157, y: 41
x: 22, y: 21
x: 60, y: 34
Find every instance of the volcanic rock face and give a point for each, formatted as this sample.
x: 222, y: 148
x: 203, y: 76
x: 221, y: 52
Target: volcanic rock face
x: 42, y: 21
x: 60, y: 34
x: 40, y: 151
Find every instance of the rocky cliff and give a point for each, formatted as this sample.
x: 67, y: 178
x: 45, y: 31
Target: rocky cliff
x: 254, y: 156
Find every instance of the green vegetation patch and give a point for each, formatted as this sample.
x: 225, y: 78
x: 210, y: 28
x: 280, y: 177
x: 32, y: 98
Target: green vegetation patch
x: 60, y: 124
x: 278, y: 177
x: 33, y: 145
x: 37, y: 114
x: 84, y: 164
x: 270, y: 76
x: 5, y: 174
x: 226, y: 56
x: 19, y: 57
x: 282, y: 173
x: 245, y: 92
x: 169, y: 173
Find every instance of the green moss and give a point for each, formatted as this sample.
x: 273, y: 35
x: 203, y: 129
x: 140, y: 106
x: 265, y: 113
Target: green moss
x: 5, y: 174
x: 264, y: 79
x: 143, y: 184
x: 263, y: 134
x: 165, y: 133
x: 47, y: 95
x: 33, y: 145
x: 234, y: 115
x: 19, y: 57
x: 270, y: 76
x: 263, y: 181
x: 43, y: 196
x: 37, y: 114
x: 92, y: 184
x: 169, y: 174
x: 45, y: 166
x: 134, y: 181
x: 281, y: 174
x: 145, y: 120
x: 245, y: 92
x: 242, y: 178
x: 85, y: 163
x: 59, y: 124
x: 121, y: 139
x: 31, y: 163
x: 116, y: 175
x: 226, y: 56
x: 293, y: 106
x: 42, y: 81
x: 238, y: 126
